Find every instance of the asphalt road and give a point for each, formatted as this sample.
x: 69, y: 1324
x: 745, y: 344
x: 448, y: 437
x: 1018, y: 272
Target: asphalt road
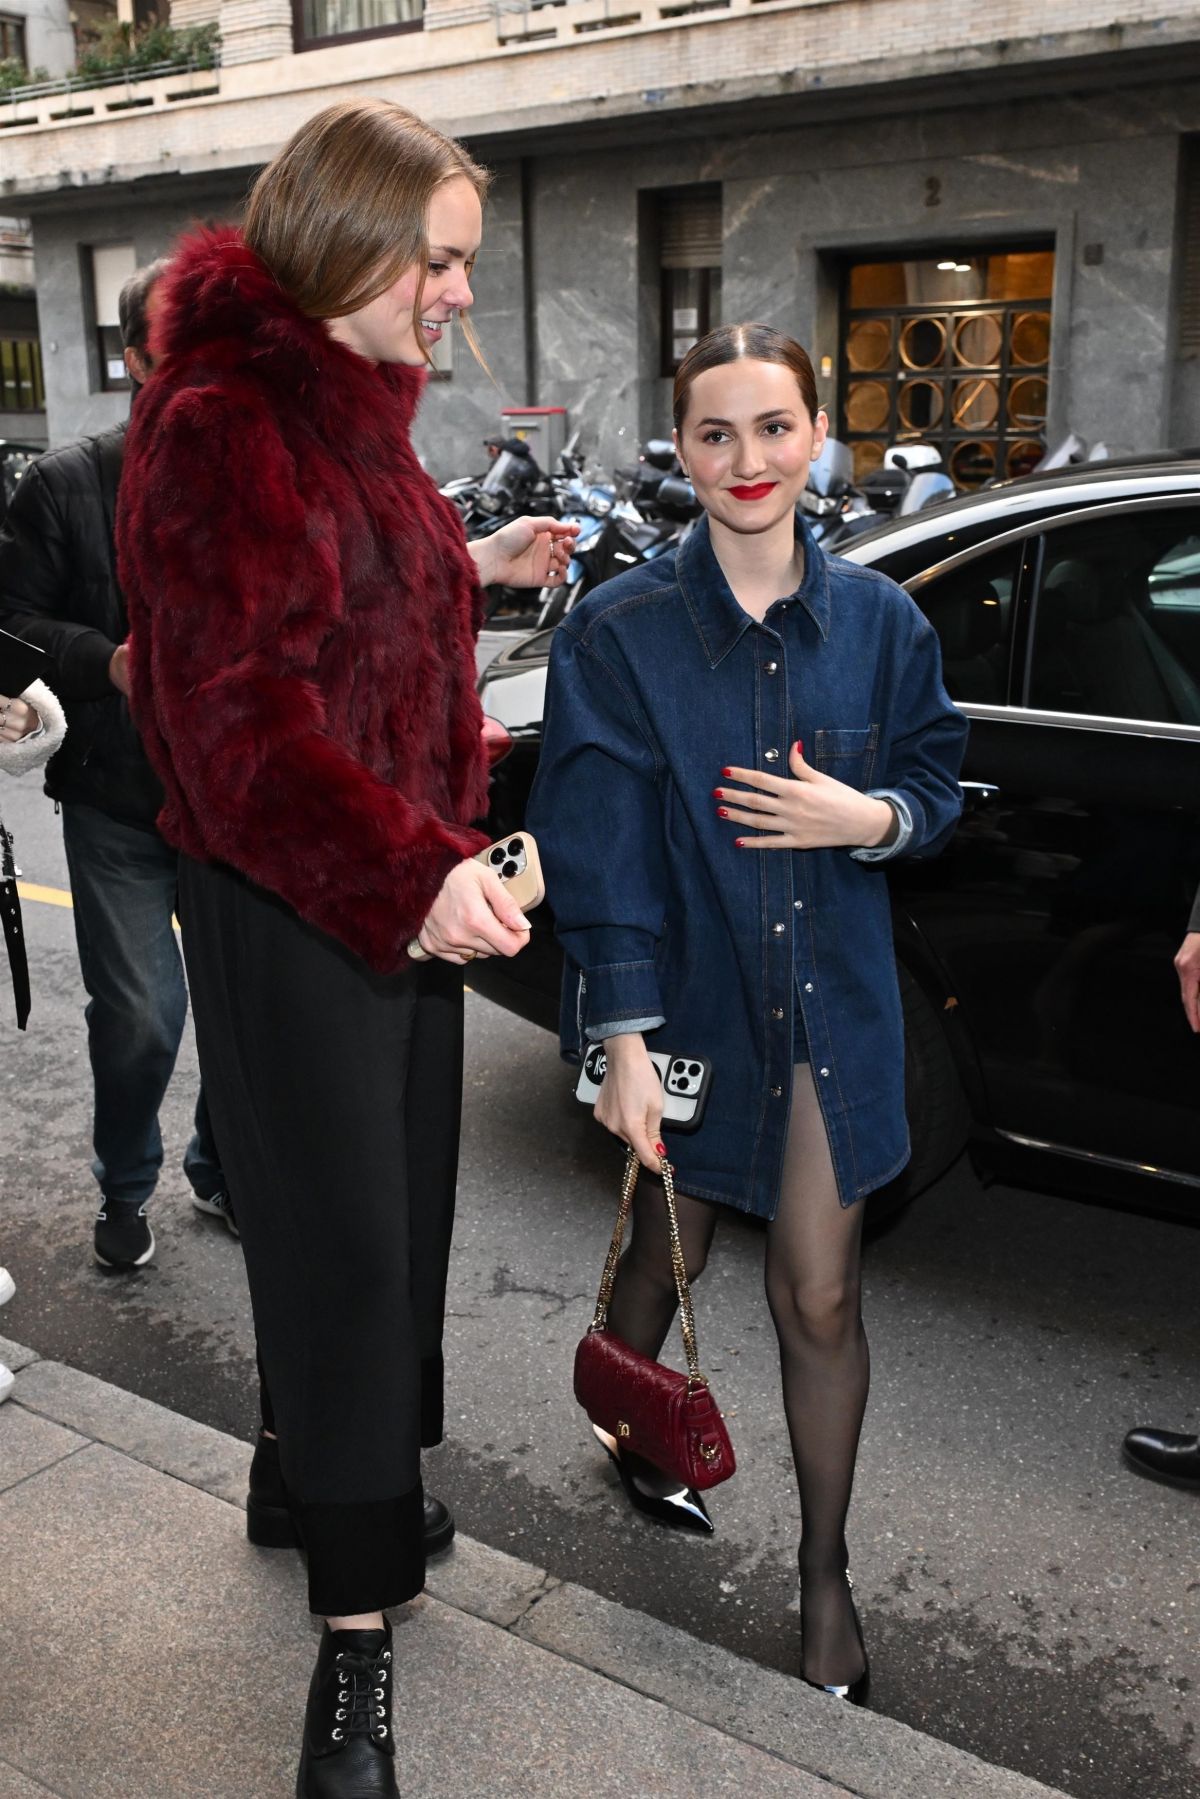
x: 1023, y: 1595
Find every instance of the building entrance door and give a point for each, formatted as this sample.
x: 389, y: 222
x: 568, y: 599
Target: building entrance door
x: 953, y: 351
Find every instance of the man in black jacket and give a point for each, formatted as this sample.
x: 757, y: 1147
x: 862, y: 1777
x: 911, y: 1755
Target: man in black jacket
x: 58, y: 589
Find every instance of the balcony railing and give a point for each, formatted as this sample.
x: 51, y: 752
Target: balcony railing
x: 83, y: 96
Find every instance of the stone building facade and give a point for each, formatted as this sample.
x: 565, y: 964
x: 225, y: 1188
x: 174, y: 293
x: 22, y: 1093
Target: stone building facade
x: 663, y: 164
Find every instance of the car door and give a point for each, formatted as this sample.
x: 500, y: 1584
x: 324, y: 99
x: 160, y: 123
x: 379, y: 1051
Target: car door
x: 1061, y: 903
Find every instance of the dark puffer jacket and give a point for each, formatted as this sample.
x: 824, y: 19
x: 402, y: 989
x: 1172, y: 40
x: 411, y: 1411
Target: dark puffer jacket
x: 58, y: 589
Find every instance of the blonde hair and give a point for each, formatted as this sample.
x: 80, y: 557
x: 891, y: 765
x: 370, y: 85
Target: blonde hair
x: 340, y: 213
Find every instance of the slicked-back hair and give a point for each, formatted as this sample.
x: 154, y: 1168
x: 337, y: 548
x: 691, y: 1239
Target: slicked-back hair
x: 733, y: 343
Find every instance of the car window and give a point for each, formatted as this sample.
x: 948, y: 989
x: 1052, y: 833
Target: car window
x: 971, y: 609
x: 1117, y: 620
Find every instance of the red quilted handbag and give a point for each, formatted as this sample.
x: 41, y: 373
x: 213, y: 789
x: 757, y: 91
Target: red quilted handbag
x: 670, y: 1419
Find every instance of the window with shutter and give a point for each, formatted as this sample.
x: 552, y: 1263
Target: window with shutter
x: 690, y: 262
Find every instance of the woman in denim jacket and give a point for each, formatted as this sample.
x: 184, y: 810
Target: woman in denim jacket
x: 742, y: 697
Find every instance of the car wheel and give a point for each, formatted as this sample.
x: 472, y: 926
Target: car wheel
x: 938, y: 1114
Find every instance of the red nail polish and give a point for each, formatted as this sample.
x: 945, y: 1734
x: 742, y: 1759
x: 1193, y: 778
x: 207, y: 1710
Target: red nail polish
x: 740, y: 844
x: 661, y: 1148
x: 717, y: 794
x: 722, y: 812
x: 800, y: 745
x: 726, y: 772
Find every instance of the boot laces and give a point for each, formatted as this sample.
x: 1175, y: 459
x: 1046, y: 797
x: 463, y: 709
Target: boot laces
x: 362, y: 1696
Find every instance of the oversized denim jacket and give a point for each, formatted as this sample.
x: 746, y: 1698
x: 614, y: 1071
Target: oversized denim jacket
x: 658, y: 680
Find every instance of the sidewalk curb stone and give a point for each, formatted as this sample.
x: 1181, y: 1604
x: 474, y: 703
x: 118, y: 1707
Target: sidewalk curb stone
x: 873, y: 1756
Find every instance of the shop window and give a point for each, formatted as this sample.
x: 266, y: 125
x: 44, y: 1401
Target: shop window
x: 111, y: 265
x: 21, y: 385
x: 690, y: 261
x: 320, y: 22
x: 12, y: 40
x: 953, y: 350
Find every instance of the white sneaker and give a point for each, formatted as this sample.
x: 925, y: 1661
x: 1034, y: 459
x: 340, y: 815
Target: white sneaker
x: 6, y: 1380
x: 8, y: 1286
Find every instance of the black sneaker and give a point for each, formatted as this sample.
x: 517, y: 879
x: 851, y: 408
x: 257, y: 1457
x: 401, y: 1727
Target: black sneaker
x: 218, y: 1205
x: 123, y: 1237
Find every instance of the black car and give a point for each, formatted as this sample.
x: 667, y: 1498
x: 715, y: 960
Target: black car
x: 1043, y: 1018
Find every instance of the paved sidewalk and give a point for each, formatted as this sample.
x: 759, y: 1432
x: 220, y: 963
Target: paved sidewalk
x: 148, y: 1652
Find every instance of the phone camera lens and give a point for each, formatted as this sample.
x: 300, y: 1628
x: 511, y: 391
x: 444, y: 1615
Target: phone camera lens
x: 497, y: 857
x: 515, y: 847
x: 694, y: 1068
x: 508, y: 871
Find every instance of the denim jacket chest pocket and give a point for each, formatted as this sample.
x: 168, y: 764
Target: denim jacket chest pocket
x: 848, y: 756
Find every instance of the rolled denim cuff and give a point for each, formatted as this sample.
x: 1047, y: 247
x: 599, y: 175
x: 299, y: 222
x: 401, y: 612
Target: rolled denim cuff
x: 619, y: 996
x: 622, y: 1027
x: 884, y: 852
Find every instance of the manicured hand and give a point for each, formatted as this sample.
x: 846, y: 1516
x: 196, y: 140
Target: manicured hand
x: 531, y: 552
x: 118, y: 669
x: 473, y: 913
x: 809, y: 811
x: 631, y: 1098
x: 1187, y: 967
x: 17, y: 719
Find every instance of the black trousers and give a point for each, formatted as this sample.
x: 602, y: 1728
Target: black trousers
x: 335, y: 1096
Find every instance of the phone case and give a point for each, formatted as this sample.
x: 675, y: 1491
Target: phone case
x: 515, y: 859
x: 20, y: 663
x: 686, y: 1082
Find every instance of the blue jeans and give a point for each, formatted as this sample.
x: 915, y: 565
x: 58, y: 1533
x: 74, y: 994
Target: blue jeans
x: 123, y: 882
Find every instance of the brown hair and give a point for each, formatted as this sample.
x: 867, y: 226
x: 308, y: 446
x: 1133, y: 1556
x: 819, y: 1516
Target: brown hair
x: 341, y: 212
x: 730, y: 343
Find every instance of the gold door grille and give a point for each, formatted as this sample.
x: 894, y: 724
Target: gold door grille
x: 968, y: 373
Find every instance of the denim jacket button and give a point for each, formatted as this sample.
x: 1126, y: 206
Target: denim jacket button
x: 777, y: 1012
x: 808, y: 986
x: 771, y: 667
x: 777, y: 1093
x: 771, y: 756
x: 778, y: 929
x: 798, y: 905
x: 825, y: 1074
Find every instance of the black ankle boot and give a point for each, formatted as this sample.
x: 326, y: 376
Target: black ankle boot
x: 348, y: 1751
x: 269, y: 1523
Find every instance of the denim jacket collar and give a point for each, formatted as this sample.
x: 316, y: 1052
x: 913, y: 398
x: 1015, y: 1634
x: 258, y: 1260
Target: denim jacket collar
x: 718, y: 618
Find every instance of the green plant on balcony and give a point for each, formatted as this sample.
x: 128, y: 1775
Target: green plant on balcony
x: 121, y: 48
x: 15, y: 74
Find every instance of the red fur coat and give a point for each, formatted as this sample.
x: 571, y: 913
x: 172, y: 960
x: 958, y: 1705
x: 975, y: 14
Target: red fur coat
x: 302, y: 610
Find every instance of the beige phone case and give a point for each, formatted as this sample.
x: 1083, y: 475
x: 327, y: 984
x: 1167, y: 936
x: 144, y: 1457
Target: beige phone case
x: 515, y: 859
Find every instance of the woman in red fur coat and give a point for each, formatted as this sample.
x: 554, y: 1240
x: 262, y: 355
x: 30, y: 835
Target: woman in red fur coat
x: 303, y: 610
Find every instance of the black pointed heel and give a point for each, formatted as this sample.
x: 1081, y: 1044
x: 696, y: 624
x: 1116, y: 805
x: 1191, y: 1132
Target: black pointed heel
x: 855, y: 1692
x: 683, y: 1510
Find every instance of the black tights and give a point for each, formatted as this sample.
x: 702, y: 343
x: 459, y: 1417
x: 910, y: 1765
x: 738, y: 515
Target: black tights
x: 813, y: 1288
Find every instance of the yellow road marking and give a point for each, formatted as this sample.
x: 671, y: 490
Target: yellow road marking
x: 49, y: 896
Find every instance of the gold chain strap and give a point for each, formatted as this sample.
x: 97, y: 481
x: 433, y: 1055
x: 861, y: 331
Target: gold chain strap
x: 687, y: 1318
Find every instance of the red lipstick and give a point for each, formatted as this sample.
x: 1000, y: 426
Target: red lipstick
x: 758, y: 492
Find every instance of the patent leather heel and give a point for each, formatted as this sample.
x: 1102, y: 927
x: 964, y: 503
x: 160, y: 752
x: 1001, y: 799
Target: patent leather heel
x: 855, y: 1692
x: 683, y: 1509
